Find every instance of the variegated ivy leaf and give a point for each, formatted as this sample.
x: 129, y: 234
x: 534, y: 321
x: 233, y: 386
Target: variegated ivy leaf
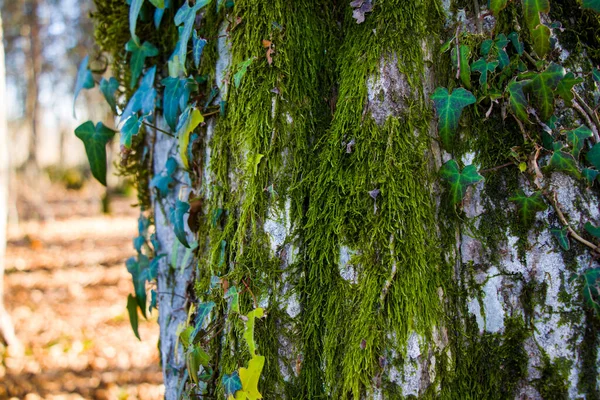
x: 85, y: 79
x: 204, y: 310
x: 138, y: 268
x: 138, y: 57
x: 528, y: 206
x: 459, y: 181
x: 561, y: 235
x: 542, y: 88
x: 95, y: 139
x: 130, y: 128
x: 188, y: 121
x: 592, y: 5
x: 483, y: 67
x: 517, y: 100
x: 449, y: 108
x: 576, y: 139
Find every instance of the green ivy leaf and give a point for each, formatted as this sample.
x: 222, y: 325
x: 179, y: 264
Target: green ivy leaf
x: 153, y: 300
x: 188, y: 121
x: 176, y: 217
x: 495, y: 6
x: 462, y: 62
x: 483, y: 67
x: 176, y: 96
x: 596, y: 75
x: 561, y: 234
x: 565, y: 86
x: 159, y: 12
x: 459, y: 181
x: 593, y: 156
x: 108, y: 89
x: 449, y: 107
x: 164, y: 181
x: 158, y: 3
x: 186, y: 15
x: 197, y: 47
x: 94, y: 139
x: 486, y: 47
x: 250, y: 377
x: 576, y: 138
x: 249, y: 331
x: 592, y: 5
x: 517, y: 100
x: 130, y: 128
x: 196, y: 358
x: 231, y: 384
x: 203, y: 310
x: 138, y: 58
x: 134, y: 12
x: 133, y: 316
x: 532, y: 10
x: 542, y: 89
x: 139, y: 272
x: 144, y: 98
x: 591, y: 289
x: 528, y: 206
x: 564, y: 162
x: 242, y: 68
x: 590, y: 175
x: 541, y: 40
x: 516, y: 42
x: 85, y: 79
x: 233, y: 296
x: 592, y: 230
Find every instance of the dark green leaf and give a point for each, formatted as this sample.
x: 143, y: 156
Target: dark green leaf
x: 459, y: 181
x: 596, y: 75
x: 138, y: 57
x: 593, y: 156
x: 139, y: 272
x: 159, y: 12
x: 242, y: 68
x: 231, y: 384
x: 108, y: 89
x: 144, y: 98
x: 486, y: 47
x: 153, y: 300
x: 462, y: 63
x: 94, y: 139
x: 516, y: 42
x: 562, y: 236
x: 576, y: 138
x: 541, y: 40
x: 592, y: 230
x: 176, y: 217
x: 532, y: 10
x: 501, y: 41
x: 564, y: 162
x: 449, y: 107
x: 85, y: 79
x: 542, y: 89
x: 197, y: 46
x: 483, y: 67
x: 203, y: 310
x: 495, y: 6
x: 565, y: 86
x: 590, y: 175
x: 130, y: 128
x: 196, y: 358
x: 517, y: 99
x: 134, y: 12
x: 164, y: 181
x: 222, y: 255
x: 186, y: 15
x: 176, y: 97
x: 592, y: 4
x: 528, y: 206
x: 133, y: 315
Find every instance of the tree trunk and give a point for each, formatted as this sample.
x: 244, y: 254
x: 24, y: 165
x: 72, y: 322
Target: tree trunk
x: 34, y: 65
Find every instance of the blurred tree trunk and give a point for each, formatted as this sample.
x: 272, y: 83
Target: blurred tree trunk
x: 6, y: 328
x: 33, y: 73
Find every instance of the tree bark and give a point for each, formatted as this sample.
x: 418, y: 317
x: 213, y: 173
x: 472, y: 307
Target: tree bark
x: 34, y: 66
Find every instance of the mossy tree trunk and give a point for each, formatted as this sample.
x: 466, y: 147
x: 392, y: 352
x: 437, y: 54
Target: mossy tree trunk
x: 315, y: 184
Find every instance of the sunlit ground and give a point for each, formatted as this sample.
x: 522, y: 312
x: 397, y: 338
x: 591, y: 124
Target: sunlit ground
x: 66, y: 288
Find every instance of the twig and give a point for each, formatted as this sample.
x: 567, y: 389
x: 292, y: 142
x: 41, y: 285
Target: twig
x: 539, y: 177
x: 483, y: 171
x: 252, y: 294
x: 388, y: 283
x: 589, y: 114
x: 158, y: 129
x: 561, y: 217
x: 457, y: 53
x: 528, y: 56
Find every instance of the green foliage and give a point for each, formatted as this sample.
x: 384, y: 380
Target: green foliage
x: 542, y: 88
x: 196, y: 358
x: 561, y: 235
x: 591, y: 289
x: 144, y: 98
x: 176, y: 217
x: 592, y: 230
x: 541, y: 40
x: 241, y: 71
x: 186, y: 16
x: 590, y: 175
x: 134, y: 12
x: 132, y: 306
x: 130, y: 128
x: 188, y: 121
x: 565, y: 87
x: 576, y: 139
x: 95, y: 139
x: 459, y: 181
x: 593, y: 156
x: 138, y: 58
x: 532, y: 10
x: 138, y: 268
x: 108, y: 89
x: 85, y: 79
x: 163, y: 182
x: 496, y: 6
x: 197, y: 47
x: 592, y: 4
x: 449, y: 108
x: 249, y: 331
x: 462, y: 64
x: 528, y: 206
x: 175, y: 98
x: 483, y: 67
x: 564, y: 162
x: 231, y: 384
x: 517, y: 99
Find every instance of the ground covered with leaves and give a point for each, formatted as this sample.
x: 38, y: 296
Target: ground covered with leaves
x: 66, y: 289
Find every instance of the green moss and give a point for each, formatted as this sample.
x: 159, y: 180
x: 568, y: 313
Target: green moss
x: 554, y: 382
x: 588, y: 352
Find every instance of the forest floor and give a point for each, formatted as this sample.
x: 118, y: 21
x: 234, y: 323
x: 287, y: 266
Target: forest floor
x: 66, y: 289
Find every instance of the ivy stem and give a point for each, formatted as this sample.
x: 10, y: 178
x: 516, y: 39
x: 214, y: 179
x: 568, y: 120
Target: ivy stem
x: 483, y: 171
x: 253, y: 296
x: 531, y: 60
x: 561, y: 217
x: 158, y: 129
x: 589, y: 114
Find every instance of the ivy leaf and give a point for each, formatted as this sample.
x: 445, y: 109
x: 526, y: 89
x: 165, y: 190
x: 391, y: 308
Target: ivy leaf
x: 188, y: 121
x: 176, y: 96
x: 461, y: 62
x: 591, y: 288
x: 483, y: 67
x: 231, y: 384
x: 449, y: 107
x: 517, y: 100
x: 134, y: 12
x: 564, y: 162
x: 164, y: 181
x: 249, y: 331
x: 197, y: 46
x: 565, y: 86
x: 249, y: 377
x: 186, y: 15
x: 459, y: 181
x: 592, y: 4
x: 85, y: 79
x: 138, y: 270
x: 203, y: 310
x: 592, y: 230
x: 542, y: 89
x: 176, y: 217
x: 138, y: 57
x: 130, y: 128
x: 576, y: 138
x: 242, y: 68
x: 596, y: 75
x: 144, y: 98
x: 495, y: 6
x: 196, y: 357
x: 590, y: 175
x: 158, y: 3
x: 159, y: 12
x: 532, y: 10
x: 593, y: 156
x: 486, y: 47
x: 561, y: 235
x: 541, y: 40
x: 517, y: 44
x: 528, y: 206
x: 233, y: 296
x: 133, y: 316
x: 108, y: 89
x: 153, y: 300
x: 94, y: 139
